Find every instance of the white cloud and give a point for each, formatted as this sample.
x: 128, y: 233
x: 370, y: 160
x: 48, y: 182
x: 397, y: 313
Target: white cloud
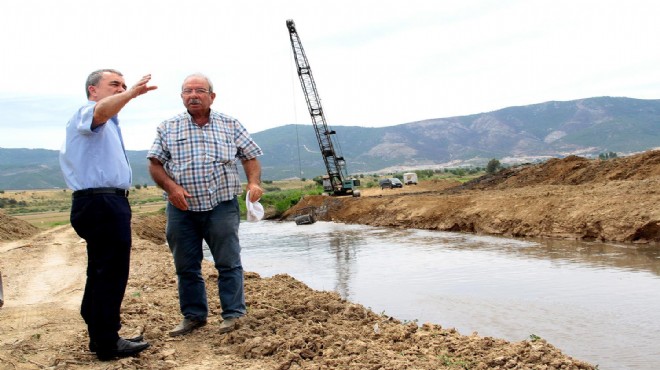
x: 375, y: 63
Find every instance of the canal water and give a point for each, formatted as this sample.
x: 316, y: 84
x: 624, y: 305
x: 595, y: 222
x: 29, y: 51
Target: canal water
x: 595, y: 302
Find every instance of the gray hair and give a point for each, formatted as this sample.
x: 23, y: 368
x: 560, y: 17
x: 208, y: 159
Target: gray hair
x: 200, y: 75
x: 94, y: 78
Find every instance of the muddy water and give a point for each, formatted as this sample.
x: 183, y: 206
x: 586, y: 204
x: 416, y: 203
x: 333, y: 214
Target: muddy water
x: 596, y: 302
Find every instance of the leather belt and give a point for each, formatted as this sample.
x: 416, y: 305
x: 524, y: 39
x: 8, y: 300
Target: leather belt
x: 96, y: 191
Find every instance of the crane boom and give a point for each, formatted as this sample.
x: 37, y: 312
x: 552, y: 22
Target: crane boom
x: 337, y: 181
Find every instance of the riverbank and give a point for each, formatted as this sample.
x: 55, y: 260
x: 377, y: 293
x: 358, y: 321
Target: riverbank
x: 572, y: 198
x: 288, y: 326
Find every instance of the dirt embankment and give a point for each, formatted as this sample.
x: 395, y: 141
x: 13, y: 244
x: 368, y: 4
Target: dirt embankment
x: 616, y: 200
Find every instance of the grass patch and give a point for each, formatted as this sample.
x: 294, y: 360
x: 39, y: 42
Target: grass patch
x: 279, y: 201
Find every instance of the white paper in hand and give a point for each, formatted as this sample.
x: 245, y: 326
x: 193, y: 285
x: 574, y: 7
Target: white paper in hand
x: 255, y: 211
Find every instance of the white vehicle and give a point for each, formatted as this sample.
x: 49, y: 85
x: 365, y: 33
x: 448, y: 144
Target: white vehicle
x: 410, y: 178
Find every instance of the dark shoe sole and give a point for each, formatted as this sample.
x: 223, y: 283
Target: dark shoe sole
x: 108, y: 356
x: 139, y: 338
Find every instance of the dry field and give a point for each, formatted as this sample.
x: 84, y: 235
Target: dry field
x: 50, y: 207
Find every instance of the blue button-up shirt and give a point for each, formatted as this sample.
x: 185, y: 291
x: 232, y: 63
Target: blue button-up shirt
x: 94, y: 158
x: 203, y: 159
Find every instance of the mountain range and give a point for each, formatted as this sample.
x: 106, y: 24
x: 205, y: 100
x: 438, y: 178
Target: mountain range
x: 585, y: 127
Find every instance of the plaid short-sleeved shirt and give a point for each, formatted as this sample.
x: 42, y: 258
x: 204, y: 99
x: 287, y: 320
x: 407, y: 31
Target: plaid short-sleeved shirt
x: 203, y: 159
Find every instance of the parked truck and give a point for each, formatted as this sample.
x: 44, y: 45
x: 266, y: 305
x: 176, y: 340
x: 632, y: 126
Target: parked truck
x: 410, y: 178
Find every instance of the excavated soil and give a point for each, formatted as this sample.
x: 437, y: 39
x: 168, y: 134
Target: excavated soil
x: 12, y: 228
x: 572, y: 198
x: 290, y: 326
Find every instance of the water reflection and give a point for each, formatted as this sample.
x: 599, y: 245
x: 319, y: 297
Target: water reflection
x: 578, y: 296
x: 635, y: 258
x: 342, y: 246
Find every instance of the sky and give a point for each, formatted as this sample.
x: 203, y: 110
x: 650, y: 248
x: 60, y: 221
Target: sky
x: 375, y: 63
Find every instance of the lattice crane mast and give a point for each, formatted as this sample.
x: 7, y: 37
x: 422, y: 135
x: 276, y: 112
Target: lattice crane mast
x: 337, y: 181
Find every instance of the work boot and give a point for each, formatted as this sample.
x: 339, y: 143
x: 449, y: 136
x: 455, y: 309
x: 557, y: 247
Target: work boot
x: 186, y: 326
x: 228, y: 325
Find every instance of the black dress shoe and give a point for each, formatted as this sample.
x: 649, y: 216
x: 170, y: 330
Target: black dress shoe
x: 93, y: 346
x: 123, y: 348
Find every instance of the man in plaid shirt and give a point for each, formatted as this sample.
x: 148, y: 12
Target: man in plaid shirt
x: 193, y: 159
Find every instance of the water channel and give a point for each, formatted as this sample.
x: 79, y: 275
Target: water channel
x: 595, y: 302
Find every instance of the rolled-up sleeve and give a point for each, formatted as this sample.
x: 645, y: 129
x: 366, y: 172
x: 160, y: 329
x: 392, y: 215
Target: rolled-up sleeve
x: 247, y: 148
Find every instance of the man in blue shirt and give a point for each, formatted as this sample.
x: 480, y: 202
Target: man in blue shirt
x: 194, y: 159
x: 95, y: 167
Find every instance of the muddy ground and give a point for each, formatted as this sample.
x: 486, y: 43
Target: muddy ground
x: 290, y: 326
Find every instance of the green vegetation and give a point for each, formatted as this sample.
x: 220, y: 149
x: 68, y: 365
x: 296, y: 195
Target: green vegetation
x: 36, y: 201
x: 11, y: 203
x: 606, y: 156
x: 453, y: 362
x: 461, y: 174
x: 281, y: 200
x: 49, y: 208
x: 493, y: 166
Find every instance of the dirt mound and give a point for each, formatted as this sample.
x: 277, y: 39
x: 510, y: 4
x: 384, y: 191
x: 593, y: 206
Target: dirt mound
x: 150, y: 227
x: 573, y: 170
x: 571, y: 198
x: 11, y: 228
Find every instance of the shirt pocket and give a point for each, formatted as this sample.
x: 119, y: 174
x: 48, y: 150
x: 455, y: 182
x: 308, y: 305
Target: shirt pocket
x: 181, y: 147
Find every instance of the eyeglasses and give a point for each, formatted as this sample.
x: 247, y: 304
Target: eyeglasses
x: 197, y: 91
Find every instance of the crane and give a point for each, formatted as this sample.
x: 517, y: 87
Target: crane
x: 336, y: 182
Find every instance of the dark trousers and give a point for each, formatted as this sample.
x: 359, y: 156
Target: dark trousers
x: 104, y: 221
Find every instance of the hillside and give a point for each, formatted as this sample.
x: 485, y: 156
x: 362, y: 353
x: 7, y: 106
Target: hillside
x: 585, y: 127
x: 28, y: 169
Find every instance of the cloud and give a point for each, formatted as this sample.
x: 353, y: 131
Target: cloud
x: 375, y: 63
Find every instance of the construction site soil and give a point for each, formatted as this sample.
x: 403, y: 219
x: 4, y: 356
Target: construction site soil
x: 290, y: 326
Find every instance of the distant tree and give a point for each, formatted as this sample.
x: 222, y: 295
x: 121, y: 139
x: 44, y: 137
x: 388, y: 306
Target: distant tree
x: 138, y: 186
x: 606, y: 156
x: 144, y: 186
x: 424, y: 174
x: 493, y: 166
x: 460, y: 172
